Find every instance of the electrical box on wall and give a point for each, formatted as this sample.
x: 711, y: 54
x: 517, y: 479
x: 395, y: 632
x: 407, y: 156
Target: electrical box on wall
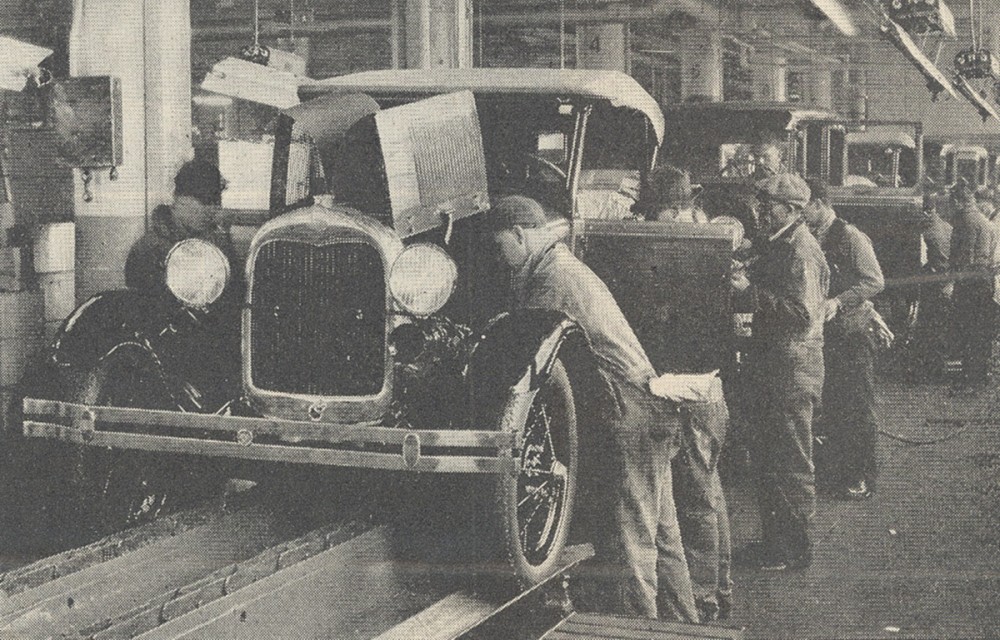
x: 86, y: 115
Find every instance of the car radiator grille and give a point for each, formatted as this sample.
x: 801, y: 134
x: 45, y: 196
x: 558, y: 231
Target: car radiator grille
x: 318, y: 319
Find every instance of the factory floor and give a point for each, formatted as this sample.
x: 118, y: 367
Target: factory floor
x: 919, y: 559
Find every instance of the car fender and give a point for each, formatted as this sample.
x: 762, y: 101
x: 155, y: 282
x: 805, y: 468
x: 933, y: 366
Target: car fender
x: 103, y: 323
x: 514, y: 354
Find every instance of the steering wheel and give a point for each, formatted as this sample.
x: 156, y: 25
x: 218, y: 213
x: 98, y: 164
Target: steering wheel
x: 538, y: 166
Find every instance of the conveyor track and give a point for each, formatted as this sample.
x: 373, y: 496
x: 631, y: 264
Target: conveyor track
x: 237, y: 571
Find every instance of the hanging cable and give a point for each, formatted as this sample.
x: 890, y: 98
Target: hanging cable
x: 972, y: 23
x: 256, y: 22
x: 482, y: 33
x: 562, y: 34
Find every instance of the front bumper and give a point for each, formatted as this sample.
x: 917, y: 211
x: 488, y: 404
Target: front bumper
x: 273, y: 440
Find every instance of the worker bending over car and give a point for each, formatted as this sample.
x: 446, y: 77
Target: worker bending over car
x: 640, y: 555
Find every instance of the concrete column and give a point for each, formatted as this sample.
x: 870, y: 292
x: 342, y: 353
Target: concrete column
x: 439, y: 34
x: 146, y: 44
x: 701, y: 62
x: 602, y: 46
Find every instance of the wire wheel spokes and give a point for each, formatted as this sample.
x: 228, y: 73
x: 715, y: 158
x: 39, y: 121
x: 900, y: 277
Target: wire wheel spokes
x: 541, y: 483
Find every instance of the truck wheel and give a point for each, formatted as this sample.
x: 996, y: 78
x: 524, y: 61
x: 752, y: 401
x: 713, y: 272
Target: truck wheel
x: 535, y: 506
x: 112, y: 489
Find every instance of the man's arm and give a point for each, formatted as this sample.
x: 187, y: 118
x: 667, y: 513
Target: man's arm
x: 870, y: 280
x: 787, y: 300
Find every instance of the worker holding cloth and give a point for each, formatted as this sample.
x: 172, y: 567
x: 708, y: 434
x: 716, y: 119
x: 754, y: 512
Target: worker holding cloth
x: 849, y: 417
x: 641, y: 553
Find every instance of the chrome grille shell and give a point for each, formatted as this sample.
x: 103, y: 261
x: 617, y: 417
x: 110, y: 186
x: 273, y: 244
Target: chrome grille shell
x: 319, y: 226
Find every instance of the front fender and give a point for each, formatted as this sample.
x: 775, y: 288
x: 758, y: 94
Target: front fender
x: 105, y: 321
x: 516, y: 349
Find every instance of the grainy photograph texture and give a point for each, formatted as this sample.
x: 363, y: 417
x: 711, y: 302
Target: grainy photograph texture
x: 499, y: 319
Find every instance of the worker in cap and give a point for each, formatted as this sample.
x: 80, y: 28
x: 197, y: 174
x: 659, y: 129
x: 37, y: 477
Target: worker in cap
x: 518, y: 211
x: 667, y: 195
x: 790, y: 281
x: 198, y: 187
x: 975, y: 244
x: 639, y: 568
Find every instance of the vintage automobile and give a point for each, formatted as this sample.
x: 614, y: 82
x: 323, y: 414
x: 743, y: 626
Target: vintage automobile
x: 716, y: 142
x: 366, y: 329
x: 581, y: 142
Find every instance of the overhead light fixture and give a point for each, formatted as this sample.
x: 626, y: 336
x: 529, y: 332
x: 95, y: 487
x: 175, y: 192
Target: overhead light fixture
x: 936, y: 80
x: 838, y: 15
x: 921, y: 16
x: 19, y: 62
x: 250, y: 81
x: 982, y: 105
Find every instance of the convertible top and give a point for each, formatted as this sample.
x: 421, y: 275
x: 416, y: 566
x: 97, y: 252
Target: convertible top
x: 785, y: 115
x: 882, y: 137
x: 620, y: 89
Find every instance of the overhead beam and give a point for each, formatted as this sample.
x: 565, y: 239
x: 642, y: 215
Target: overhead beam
x: 838, y: 15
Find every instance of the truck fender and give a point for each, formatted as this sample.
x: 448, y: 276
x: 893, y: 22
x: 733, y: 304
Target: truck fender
x: 514, y: 353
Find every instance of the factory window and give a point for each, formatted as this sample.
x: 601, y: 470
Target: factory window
x: 737, y: 81
x: 795, y: 85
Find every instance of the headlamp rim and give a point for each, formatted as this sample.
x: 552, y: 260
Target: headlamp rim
x: 452, y: 277
x: 227, y: 269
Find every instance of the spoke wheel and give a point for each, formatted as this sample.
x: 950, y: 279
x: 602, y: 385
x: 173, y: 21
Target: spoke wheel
x: 537, y: 503
x: 113, y: 489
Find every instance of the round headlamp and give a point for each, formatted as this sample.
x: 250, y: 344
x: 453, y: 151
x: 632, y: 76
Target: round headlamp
x: 422, y: 279
x: 197, y: 272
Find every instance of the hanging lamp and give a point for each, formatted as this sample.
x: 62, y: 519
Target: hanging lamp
x: 256, y: 52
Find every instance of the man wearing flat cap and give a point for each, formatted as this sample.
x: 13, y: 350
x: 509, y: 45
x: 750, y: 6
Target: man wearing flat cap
x: 639, y: 564
x: 975, y: 244
x: 790, y: 281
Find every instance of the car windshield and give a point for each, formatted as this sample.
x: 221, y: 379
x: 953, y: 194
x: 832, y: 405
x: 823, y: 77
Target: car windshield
x: 527, y: 143
x: 881, y: 165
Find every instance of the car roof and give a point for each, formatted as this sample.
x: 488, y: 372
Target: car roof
x: 882, y: 137
x: 967, y: 148
x: 791, y: 112
x: 618, y: 88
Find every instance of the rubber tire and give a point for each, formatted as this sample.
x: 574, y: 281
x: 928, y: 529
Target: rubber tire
x: 105, y: 488
x: 560, y: 393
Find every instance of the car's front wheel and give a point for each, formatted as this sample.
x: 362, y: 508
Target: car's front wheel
x: 534, y: 507
x: 110, y: 489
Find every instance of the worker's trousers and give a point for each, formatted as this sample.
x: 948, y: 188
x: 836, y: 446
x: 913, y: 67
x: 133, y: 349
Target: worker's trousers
x: 849, y: 418
x: 639, y: 568
x: 701, y: 504
x: 789, y: 379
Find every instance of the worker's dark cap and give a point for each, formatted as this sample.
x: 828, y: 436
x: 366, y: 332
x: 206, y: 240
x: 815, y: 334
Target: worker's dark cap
x: 786, y: 188
x: 519, y: 211
x: 200, y: 180
x: 666, y: 187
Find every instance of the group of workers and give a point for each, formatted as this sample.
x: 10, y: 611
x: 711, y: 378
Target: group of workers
x: 664, y: 551
x: 812, y: 277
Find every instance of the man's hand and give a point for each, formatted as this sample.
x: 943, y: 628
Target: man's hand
x: 830, y: 309
x: 738, y: 278
x: 883, y: 336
